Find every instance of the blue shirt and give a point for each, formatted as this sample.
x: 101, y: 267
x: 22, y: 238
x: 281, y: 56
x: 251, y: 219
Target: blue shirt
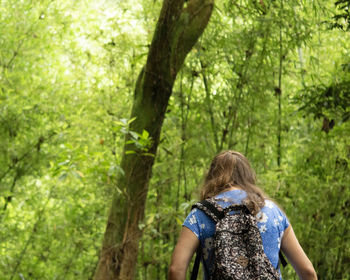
x: 272, y: 223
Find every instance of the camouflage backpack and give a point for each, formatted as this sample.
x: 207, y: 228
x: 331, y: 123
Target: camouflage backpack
x: 238, y: 248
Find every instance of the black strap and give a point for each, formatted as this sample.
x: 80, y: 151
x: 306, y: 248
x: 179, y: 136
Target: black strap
x: 196, y: 264
x: 282, y: 259
x: 218, y: 214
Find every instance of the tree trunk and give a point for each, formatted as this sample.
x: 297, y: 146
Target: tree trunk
x: 178, y: 29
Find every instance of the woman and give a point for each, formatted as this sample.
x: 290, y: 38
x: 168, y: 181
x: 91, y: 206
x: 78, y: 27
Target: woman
x: 230, y: 179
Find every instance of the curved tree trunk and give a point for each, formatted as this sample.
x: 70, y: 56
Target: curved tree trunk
x: 178, y: 29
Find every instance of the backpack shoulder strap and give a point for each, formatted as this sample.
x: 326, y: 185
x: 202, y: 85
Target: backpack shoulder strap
x: 196, y: 265
x: 282, y: 260
x: 213, y: 210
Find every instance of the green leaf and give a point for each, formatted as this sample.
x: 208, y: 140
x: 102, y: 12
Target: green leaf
x: 63, y: 176
x: 134, y: 134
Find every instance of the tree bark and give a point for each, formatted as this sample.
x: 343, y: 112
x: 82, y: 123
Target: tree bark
x: 178, y: 29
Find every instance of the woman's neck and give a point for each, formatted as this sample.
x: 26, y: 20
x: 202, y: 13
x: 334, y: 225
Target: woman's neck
x: 231, y: 188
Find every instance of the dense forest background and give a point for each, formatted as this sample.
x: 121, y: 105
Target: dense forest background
x: 268, y: 78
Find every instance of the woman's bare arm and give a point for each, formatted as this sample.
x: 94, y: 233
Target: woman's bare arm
x: 296, y: 256
x: 184, y: 250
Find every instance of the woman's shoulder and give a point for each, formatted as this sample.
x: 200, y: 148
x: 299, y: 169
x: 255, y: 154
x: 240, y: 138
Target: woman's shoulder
x: 271, y: 205
x: 272, y: 212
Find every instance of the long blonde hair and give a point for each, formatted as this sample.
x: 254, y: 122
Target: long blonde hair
x: 232, y: 169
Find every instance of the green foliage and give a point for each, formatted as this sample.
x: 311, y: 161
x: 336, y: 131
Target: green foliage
x: 67, y: 74
x: 329, y: 100
x: 341, y: 19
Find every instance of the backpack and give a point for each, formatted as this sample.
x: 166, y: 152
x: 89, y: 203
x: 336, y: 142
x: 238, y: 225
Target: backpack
x: 238, y: 248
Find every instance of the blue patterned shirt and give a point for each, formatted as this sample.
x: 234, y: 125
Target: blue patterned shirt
x: 272, y: 223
